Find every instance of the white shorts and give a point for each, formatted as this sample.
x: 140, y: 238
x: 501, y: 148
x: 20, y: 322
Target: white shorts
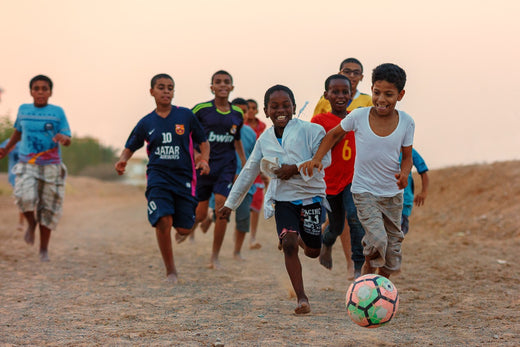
x: 41, y: 188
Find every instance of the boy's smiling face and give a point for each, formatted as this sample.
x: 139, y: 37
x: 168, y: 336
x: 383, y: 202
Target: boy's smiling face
x: 41, y: 92
x: 280, y: 109
x: 221, y: 86
x: 385, y: 96
x: 338, y: 95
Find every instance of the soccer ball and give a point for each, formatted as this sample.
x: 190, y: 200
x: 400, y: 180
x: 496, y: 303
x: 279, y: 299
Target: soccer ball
x: 372, y: 301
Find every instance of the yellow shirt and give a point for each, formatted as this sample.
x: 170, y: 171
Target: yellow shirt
x: 360, y: 100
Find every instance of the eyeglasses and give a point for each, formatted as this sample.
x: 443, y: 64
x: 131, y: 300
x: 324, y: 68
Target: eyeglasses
x: 351, y: 72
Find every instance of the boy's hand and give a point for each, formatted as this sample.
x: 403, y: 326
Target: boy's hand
x: 307, y: 168
x: 419, y: 199
x: 62, y: 139
x: 120, y: 167
x: 224, y: 212
x: 286, y: 171
x: 3, y: 153
x: 402, y: 180
x: 203, y: 166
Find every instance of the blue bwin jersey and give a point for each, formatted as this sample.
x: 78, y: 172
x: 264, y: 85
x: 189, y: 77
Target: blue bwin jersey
x: 169, y: 147
x: 222, y: 129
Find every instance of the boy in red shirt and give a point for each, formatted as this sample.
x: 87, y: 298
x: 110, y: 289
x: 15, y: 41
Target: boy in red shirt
x: 338, y: 176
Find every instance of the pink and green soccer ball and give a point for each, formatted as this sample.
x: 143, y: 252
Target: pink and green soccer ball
x: 372, y: 301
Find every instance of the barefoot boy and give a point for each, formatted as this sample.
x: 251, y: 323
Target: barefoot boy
x: 382, y: 132
x: 169, y: 132
x: 222, y: 123
x: 297, y: 198
x: 40, y: 173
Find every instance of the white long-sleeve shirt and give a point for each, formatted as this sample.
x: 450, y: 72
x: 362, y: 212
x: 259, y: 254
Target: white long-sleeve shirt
x: 300, y: 141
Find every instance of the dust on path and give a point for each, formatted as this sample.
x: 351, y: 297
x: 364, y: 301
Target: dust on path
x: 104, y: 284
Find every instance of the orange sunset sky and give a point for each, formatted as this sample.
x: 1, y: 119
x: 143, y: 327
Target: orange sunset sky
x: 462, y: 59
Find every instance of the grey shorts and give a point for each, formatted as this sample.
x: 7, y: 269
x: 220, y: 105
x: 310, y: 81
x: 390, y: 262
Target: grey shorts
x: 41, y: 188
x: 381, y: 219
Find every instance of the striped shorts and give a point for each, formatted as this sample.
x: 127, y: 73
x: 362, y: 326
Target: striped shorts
x: 41, y: 188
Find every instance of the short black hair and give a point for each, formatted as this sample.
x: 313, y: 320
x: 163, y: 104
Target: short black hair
x: 390, y: 73
x: 239, y: 101
x: 278, y: 88
x: 40, y: 78
x: 253, y: 101
x: 336, y: 77
x: 350, y: 60
x: 221, y: 72
x: 153, y: 82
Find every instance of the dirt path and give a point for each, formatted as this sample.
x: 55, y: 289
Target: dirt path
x: 104, y: 285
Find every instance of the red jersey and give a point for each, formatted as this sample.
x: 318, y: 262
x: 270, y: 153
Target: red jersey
x: 259, y: 129
x: 341, y: 170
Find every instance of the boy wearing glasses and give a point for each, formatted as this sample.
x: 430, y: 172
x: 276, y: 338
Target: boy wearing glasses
x: 353, y: 70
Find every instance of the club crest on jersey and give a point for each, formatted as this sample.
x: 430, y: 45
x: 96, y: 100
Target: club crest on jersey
x: 233, y: 129
x: 179, y: 129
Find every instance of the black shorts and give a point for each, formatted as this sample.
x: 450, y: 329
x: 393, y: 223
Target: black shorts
x: 163, y: 202
x: 305, y: 220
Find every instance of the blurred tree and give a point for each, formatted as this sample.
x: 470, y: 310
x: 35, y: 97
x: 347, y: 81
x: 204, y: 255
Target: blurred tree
x: 85, y: 156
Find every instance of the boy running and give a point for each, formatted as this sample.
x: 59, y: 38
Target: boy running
x: 40, y: 173
x: 222, y: 123
x: 169, y: 132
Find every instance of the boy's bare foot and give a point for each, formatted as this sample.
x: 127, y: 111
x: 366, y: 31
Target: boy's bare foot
x: 29, y: 235
x: 179, y: 238
x: 238, y: 256
x: 303, y: 307
x: 350, y: 273
x: 326, y: 256
x: 255, y: 245
x: 172, y: 278
x: 44, y: 256
x: 214, y: 264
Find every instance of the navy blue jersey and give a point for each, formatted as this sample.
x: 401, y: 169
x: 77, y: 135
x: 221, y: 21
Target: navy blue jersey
x: 222, y: 129
x: 169, y: 148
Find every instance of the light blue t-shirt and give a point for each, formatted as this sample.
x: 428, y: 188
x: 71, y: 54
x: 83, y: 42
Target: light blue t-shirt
x: 248, y: 137
x: 408, y: 194
x: 38, y: 126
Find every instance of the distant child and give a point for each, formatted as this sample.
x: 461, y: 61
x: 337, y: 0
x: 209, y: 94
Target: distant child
x: 262, y: 180
x: 242, y: 213
x: 353, y: 70
x: 169, y: 132
x: 297, y: 198
x: 40, y: 173
x: 408, y: 197
x: 222, y: 124
x: 12, y: 160
x: 382, y: 132
x: 338, y: 176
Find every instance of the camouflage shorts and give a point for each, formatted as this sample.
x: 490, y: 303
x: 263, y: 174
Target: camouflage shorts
x: 381, y: 219
x: 41, y: 188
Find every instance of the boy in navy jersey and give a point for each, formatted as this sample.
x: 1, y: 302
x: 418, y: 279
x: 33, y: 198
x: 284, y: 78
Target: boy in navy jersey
x: 222, y: 123
x: 169, y: 132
